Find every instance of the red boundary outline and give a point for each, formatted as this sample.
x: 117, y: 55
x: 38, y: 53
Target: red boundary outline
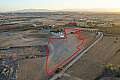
x: 75, y: 52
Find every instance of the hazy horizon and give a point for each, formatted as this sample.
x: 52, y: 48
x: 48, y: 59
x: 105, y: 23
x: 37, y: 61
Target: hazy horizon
x: 93, y: 5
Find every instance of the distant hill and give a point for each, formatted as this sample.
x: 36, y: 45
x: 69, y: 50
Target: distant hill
x: 95, y: 10
x: 33, y: 10
x: 116, y: 10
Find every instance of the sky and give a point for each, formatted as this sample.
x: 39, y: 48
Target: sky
x: 11, y: 5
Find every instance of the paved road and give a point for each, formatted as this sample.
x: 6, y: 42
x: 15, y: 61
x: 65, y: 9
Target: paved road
x: 98, y: 37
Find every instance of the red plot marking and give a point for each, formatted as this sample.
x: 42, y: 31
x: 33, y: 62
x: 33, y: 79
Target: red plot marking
x: 76, y: 33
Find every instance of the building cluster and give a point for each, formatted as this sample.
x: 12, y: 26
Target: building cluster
x: 95, y: 22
